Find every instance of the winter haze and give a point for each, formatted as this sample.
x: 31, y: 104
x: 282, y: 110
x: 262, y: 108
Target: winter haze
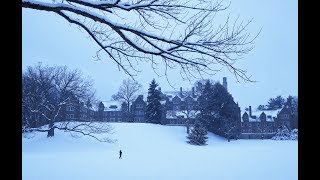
x: 273, y: 63
x: 165, y: 132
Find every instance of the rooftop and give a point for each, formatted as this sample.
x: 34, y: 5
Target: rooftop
x: 112, y: 105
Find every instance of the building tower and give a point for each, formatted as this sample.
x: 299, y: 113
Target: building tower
x: 225, y: 83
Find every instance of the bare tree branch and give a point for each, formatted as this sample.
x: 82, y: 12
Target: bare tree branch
x: 174, y: 32
x: 46, y: 90
x: 127, y: 92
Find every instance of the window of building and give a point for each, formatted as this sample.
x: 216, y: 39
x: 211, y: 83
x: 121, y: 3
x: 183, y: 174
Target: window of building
x: 138, y: 119
x: 175, y: 101
x: 83, y: 109
x: 83, y: 116
x: 176, y: 107
x: 112, y: 119
x: 285, y: 116
x: 139, y: 113
x: 139, y: 106
x: 119, y: 119
x: 70, y: 108
x: 112, y: 113
x: 105, y: 119
x: 190, y: 107
x: 70, y: 116
x: 258, y: 124
x: 242, y: 124
x: 36, y: 116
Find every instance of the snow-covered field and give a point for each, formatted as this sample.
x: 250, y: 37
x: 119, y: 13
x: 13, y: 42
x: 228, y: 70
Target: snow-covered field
x: 155, y: 152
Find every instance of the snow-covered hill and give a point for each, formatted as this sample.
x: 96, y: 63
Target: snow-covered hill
x: 155, y: 152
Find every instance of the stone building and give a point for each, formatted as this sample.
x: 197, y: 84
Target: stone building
x: 264, y: 124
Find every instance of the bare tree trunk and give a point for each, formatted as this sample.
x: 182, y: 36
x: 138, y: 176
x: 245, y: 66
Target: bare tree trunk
x: 128, y: 103
x: 51, y: 130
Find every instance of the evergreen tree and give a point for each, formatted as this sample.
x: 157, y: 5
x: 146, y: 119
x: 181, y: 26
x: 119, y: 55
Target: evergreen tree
x: 225, y: 119
x: 289, y: 101
x: 225, y: 110
x: 276, y: 103
x: 153, y: 109
x: 198, y: 134
x: 218, y: 112
x: 292, y: 103
x: 206, y: 104
x: 261, y: 108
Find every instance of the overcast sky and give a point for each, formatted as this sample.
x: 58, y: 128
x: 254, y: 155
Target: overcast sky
x: 273, y: 63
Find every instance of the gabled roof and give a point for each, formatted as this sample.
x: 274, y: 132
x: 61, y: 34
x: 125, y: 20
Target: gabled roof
x: 270, y: 115
x: 112, y: 105
x: 172, y: 94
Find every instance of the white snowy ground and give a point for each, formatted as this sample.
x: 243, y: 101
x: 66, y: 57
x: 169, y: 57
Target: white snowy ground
x: 155, y: 152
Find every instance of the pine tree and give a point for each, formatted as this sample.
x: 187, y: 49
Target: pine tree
x: 198, y: 134
x: 153, y: 109
x: 226, y: 109
x: 219, y: 112
x: 206, y: 104
x: 276, y: 103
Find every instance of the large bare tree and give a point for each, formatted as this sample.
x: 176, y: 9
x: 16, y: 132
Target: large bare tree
x: 166, y: 33
x: 127, y: 92
x: 46, y: 90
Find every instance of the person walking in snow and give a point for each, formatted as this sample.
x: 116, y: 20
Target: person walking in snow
x: 120, y: 154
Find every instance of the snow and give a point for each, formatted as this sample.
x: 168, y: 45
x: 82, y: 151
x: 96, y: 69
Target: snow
x: 108, y: 104
x: 257, y: 113
x: 173, y: 114
x: 156, y: 152
x: 163, y: 102
x: 172, y: 94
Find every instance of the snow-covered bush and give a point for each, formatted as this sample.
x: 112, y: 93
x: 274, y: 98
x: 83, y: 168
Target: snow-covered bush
x: 294, y: 134
x: 284, y: 133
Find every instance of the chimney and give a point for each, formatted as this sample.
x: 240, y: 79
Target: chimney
x: 180, y: 91
x: 193, y: 92
x: 159, y: 88
x: 141, y: 97
x: 225, y: 83
x: 250, y: 111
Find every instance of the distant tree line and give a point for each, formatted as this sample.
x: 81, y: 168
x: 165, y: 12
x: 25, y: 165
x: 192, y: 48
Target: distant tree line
x: 279, y: 102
